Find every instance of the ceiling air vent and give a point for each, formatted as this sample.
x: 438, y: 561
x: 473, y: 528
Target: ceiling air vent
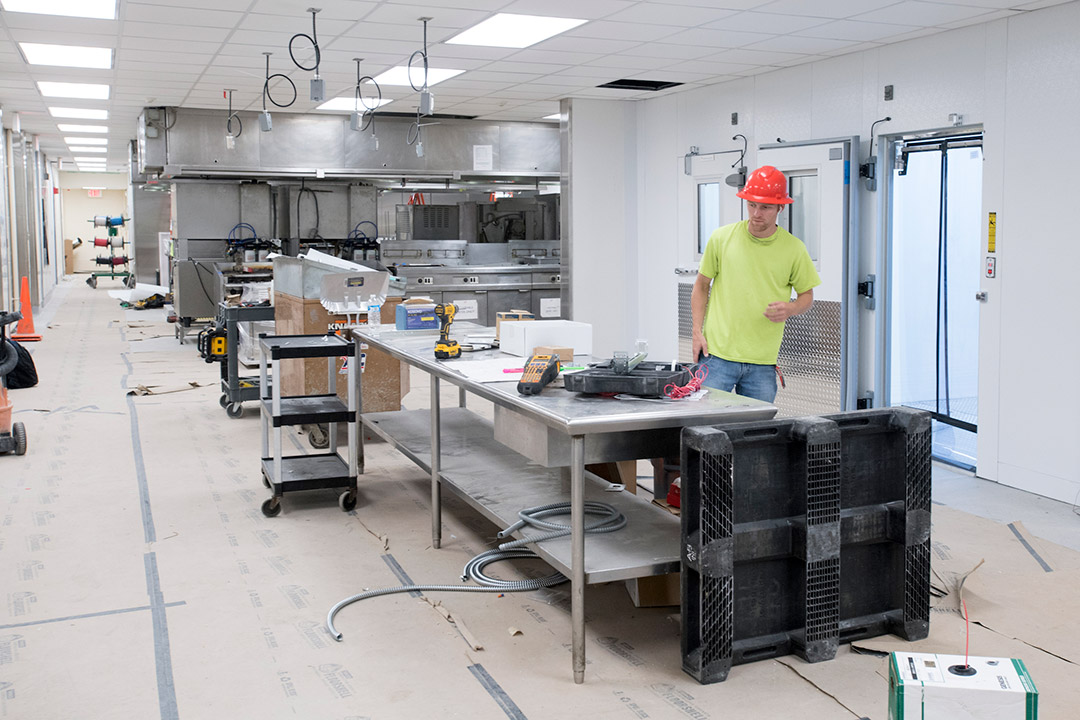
x: 629, y: 84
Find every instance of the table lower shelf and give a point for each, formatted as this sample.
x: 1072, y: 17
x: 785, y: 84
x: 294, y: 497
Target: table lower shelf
x: 499, y: 482
x: 309, y: 472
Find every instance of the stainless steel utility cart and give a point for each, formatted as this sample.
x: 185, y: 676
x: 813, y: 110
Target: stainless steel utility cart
x: 316, y: 471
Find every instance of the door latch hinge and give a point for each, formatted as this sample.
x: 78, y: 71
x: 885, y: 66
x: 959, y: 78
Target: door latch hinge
x: 866, y: 289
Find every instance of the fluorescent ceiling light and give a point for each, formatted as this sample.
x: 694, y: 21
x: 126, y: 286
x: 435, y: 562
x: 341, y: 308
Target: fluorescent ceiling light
x: 400, y: 76
x: 65, y: 128
x: 94, y: 187
x: 101, y: 9
x: 87, y: 149
x: 88, y: 160
x: 81, y: 113
x: 86, y: 91
x: 68, y: 55
x: 514, y: 31
x: 86, y: 141
x: 556, y: 116
x: 349, y: 104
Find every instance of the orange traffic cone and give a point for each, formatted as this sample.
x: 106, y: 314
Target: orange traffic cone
x: 24, y: 331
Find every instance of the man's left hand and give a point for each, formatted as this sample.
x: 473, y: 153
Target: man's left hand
x: 778, y: 311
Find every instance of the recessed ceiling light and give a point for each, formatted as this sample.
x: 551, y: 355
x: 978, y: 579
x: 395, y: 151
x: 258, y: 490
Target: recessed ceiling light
x: 68, y: 55
x: 94, y: 187
x: 101, y: 9
x: 556, y: 116
x: 65, y: 128
x: 81, y: 113
x: 400, y: 76
x: 514, y: 31
x: 87, y: 148
x: 86, y: 91
x: 87, y: 160
x: 349, y: 104
x: 86, y: 141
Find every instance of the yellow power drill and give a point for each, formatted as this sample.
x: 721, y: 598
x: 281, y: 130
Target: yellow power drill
x: 445, y: 348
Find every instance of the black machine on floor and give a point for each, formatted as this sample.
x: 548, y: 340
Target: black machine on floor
x: 12, y: 435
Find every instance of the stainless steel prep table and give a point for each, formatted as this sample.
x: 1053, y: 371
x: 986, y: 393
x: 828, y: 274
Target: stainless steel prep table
x: 557, y: 428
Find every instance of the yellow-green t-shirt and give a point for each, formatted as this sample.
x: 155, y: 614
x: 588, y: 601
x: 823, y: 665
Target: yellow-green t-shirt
x: 749, y: 273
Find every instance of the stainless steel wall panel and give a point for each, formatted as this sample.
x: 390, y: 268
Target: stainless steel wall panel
x: 255, y: 208
x: 363, y: 205
x: 525, y: 147
x: 206, y: 210
x: 302, y: 141
x: 303, y: 144
x: 149, y: 216
x: 333, y: 211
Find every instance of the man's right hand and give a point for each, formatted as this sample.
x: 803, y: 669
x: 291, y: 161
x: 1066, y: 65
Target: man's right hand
x: 699, y: 347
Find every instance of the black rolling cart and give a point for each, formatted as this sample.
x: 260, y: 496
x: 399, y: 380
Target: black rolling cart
x: 235, y: 389
x: 282, y: 473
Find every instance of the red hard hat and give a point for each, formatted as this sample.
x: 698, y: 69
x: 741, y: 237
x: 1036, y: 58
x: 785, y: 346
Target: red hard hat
x: 766, y: 185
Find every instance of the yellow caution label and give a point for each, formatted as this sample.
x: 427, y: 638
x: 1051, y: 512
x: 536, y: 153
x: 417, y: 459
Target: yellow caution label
x: 991, y: 234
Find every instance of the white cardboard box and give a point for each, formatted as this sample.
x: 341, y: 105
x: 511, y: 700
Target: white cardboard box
x: 519, y: 338
x: 922, y: 687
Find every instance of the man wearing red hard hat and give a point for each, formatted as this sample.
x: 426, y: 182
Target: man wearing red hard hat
x: 752, y: 267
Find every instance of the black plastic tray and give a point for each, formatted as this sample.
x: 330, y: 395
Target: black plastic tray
x: 648, y: 379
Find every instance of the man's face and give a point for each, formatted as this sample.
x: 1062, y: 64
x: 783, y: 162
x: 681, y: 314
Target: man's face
x: 762, y: 218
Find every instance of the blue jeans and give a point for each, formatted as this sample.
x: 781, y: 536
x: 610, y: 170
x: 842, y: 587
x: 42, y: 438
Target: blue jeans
x: 747, y: 379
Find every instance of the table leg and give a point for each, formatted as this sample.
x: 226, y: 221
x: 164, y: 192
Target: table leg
x: 461, y: 397
x: 577, y: 554
x: 436, y: 498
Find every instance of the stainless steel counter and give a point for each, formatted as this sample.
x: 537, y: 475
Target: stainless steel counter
x: 561, y: 430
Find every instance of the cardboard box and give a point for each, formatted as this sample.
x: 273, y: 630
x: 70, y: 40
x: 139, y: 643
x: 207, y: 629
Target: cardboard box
x: 518, y: 338
x: 923, y: 686
x: 512, y: 316
x: 655, y: 590
x: 416, y: 317
x: 385, y: 381
x: 565, y: 354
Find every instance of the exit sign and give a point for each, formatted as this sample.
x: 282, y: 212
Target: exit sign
x: 93, y: 193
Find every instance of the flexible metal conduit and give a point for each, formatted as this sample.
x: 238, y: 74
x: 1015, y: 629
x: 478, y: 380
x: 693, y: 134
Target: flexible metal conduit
x: 610, y: 521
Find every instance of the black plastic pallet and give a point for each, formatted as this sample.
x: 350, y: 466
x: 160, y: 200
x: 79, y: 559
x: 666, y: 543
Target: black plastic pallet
x: 800, y: 534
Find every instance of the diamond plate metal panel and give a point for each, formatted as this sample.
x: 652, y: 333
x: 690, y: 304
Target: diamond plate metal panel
x: 686, y: 323
x: 811, y: 361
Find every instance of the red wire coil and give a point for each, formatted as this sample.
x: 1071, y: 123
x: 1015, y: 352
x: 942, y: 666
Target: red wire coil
x: 697, y: 377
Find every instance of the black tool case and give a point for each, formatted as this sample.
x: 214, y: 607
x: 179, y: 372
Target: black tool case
x: 648, y: 379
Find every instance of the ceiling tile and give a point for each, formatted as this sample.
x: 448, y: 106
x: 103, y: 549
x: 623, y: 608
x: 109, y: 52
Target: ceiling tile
x: 330, y: 9
x: 704, y: 37
x: 179, y: 32
x: 685, y: 15
x: 591, y: 45
x: 824, y: 8
x: 640, y: 32
x: 744, y: 56
x: 855, y: 31
x: 442, y: 19
x: 205, y: 17
x: 798, y: 44
x: 669, y: 51
x: 766, y: 22
x: 594, y: 9
x: 921, y: 13
x: 550, y: 56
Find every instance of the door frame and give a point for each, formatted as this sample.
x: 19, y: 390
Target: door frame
x: 849, y: 305
x: 886, y: 160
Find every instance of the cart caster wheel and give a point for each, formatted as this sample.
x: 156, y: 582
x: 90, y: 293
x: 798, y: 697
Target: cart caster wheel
x: 223, y: 400
x: 272, y: 507
x: 234, y: 410
x: 92, y: 281
x: 319, y: 438
x: 18, y: 430
x: 129, y: 283
x: 347, y: 501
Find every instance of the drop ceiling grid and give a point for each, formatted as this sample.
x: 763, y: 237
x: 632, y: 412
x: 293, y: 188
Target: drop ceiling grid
x: 186, y: 52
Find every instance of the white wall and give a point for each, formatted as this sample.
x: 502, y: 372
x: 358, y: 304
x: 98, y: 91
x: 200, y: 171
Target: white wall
x: 80, y: 208
x: 1016, y: 77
